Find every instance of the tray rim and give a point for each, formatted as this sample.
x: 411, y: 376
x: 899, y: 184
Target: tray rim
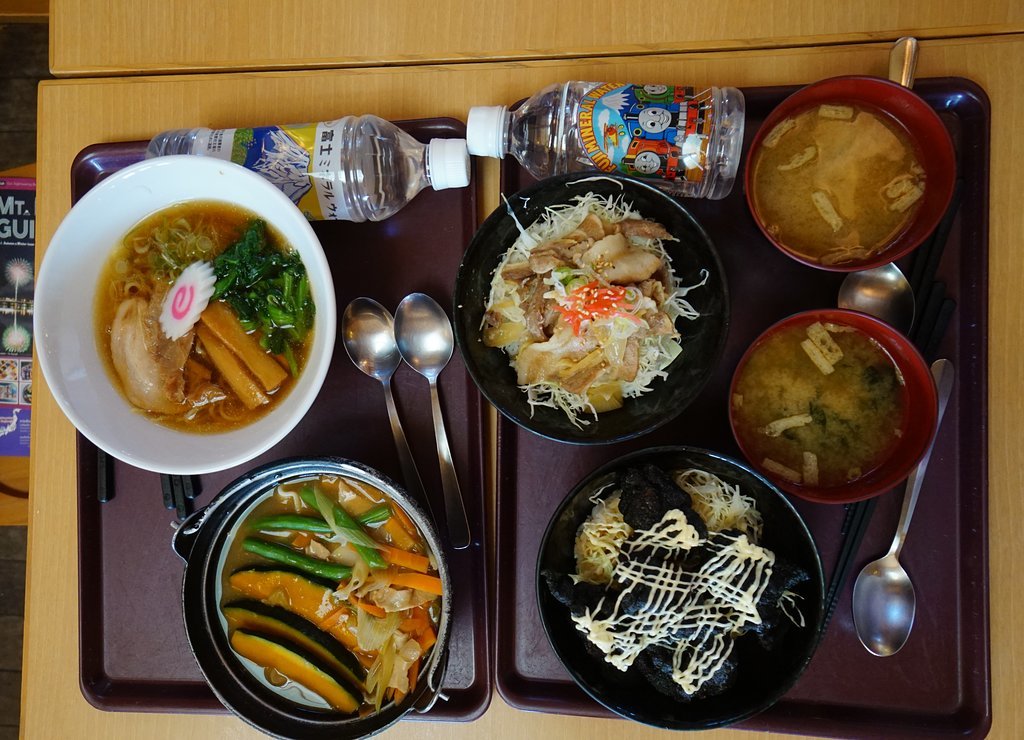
x: 115, y: 695
x: 525, y: 694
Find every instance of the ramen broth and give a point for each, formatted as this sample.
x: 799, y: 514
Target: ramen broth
x: 837, y: 183
x: 813, y: 428
x: 187, y: 384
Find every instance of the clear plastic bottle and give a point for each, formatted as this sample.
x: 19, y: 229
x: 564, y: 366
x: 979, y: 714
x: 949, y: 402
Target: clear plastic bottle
x: 686, y: 142
x: 357, y: 168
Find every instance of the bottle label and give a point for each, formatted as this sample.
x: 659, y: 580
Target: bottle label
x: 302, y: 160
x: 651, y: 131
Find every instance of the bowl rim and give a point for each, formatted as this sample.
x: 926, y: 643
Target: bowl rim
x: 822, y: 495
x: 505, y: 210
x: 313, y: 257
x: 816, y: 572
x: 793, y: 103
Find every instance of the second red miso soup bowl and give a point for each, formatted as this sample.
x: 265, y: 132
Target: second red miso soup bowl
x: 916, y: 425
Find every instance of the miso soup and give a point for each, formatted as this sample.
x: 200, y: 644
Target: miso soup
x: 837, y: 183
x: 820, y: 405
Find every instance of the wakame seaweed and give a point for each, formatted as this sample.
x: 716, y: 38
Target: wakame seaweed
x: 268, y: 290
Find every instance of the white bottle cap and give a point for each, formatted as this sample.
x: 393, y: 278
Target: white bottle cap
x: 447, y: 163
x: 485, y: 130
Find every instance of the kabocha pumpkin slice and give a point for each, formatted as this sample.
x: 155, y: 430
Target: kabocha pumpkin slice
x: 273, y: 621
x: 300, y: 667
x: 296, y: 593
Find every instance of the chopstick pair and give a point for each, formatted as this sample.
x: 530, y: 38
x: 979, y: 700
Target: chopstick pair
x: 179, y: 492
x: 930, y: 324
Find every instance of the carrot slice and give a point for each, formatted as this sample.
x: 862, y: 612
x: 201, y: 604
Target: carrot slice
x: 418, y: 581
x: 371, y: 609
x: 409, y: 560
x: 427, y: 638
x: 301, y: 540
x: 413, y: 625
x: 331, y: 619
x: 414, y: 672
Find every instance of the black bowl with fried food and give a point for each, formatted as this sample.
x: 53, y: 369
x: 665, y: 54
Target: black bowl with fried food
x: 761, y: 665
x: 702, y: 339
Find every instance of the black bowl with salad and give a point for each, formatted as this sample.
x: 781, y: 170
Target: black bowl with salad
x: 591, y: 309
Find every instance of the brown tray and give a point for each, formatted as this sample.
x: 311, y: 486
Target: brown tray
x: 939, y: 684
x: 134, y: 653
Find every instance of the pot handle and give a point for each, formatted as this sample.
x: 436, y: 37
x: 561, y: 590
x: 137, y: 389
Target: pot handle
x: 435, y: 676
x: 187, y: 532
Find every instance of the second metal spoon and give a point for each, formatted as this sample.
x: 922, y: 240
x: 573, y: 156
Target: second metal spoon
x: 426, y: 342
x: 884, y: 603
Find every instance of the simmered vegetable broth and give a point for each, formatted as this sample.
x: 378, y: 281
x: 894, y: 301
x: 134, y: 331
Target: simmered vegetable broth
x: 837, y: 183
x: 784, y: 407
x: 238, y: 362
x: 299, y: 590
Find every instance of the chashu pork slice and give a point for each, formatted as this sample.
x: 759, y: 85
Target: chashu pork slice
x: 150, y: 366
x: 619, y: 262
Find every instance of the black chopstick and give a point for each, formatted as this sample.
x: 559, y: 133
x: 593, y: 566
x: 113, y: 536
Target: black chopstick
x: 104, y: 476
x: 935, y: 311
x: 928, y: 255
x: 178, y: 492
x: 931, y: 348
x: 858, y: 516
x: 924, y: 327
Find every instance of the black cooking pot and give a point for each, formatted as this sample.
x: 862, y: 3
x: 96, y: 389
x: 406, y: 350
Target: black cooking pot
x: 202, y: 542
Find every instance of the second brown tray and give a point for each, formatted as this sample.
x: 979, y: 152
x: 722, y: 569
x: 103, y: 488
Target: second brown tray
x: 134, y: 653
x: 939, y: 683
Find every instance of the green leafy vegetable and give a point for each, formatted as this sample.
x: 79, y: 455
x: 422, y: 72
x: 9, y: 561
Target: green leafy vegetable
x: 343, y: 524
x: 268, y: 290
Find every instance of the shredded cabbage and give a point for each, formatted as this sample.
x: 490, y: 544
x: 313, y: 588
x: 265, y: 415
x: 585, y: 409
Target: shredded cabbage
x: 657, y: 352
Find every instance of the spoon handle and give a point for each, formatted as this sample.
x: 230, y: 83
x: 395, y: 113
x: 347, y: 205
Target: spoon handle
x: 903, y: 61
x: 942, y: 372
x: 409, y: 470
x: 455, y: 510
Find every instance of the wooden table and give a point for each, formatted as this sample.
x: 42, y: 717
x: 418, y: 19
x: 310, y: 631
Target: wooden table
x: 91, y: 38
x: 75, y: 113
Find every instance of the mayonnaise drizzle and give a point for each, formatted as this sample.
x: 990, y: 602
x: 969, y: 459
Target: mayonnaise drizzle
x: 694, y: 613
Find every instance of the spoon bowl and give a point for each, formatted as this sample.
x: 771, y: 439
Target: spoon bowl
x: 883, y: 292
x: 425, y: 336
x: 369, y: 336
x: 884, y: 606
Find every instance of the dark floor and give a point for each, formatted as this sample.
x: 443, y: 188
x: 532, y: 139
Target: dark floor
x: 23, y: 62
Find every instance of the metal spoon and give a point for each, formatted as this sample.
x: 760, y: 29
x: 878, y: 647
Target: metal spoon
x: 426, y: 342
x: 883, y: 292
x: 369, y: 334
x: 883, y: 596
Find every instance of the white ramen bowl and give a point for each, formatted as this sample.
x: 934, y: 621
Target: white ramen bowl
x: 64, y: 313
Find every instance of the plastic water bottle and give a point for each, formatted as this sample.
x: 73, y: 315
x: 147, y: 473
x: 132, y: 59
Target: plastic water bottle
x: 686, y: 142
x: 357, y: 168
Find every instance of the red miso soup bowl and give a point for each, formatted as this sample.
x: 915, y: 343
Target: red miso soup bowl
x: 866, y: 424
x: 901, y: 106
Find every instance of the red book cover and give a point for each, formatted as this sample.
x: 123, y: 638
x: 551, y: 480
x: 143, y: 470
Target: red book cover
x: 17, y: 260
